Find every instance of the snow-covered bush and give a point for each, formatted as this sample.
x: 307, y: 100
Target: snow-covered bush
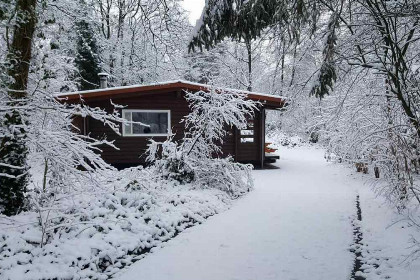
x: 168, y: 160
x: 224, y: 174
x: 95, y: 234
x: 278, y: 134
x: 196, y: 158
x: 278, y: 138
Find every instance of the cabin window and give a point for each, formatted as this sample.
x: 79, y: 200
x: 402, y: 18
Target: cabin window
x: 247, y: 135
x: 150, y: 122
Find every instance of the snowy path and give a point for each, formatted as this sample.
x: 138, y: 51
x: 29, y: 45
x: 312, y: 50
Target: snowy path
x: 296, y: 224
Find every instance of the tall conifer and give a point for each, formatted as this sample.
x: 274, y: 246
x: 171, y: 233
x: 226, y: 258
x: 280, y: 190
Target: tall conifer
x: 87, y: 58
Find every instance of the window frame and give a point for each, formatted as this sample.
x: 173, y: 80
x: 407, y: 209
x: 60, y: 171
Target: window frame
x: 123, y: 111
x: 247, y: 138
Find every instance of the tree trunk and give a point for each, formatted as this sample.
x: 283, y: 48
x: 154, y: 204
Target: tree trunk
x: 249, y: 52
x: 21, y: 47
x: 13, y: 151
x: 292, y: 78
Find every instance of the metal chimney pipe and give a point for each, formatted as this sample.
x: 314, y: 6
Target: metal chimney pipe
x: 103, y: 77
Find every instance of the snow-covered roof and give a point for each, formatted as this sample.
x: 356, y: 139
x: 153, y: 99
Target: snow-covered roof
x: 163, y: 85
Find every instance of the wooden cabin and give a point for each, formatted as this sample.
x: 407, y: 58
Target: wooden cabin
x: 163, y: 106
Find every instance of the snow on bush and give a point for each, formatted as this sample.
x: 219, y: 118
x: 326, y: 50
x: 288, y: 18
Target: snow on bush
x: 95, y: 234
x: 279, y: 138
x: 195, y: 158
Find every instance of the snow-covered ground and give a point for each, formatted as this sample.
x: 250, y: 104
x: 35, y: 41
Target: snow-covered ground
x: 92, y: 235
x: 386, y: 241
x: 296, y: 224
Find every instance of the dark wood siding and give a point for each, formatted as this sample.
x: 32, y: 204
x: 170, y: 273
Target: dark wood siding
x: 132, y: 148
x: 250, y: 152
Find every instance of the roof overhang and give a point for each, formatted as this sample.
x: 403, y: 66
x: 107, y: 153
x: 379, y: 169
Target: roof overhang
x: 269, y: 101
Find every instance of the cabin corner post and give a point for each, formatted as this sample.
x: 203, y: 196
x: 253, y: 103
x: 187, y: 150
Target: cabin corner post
x: 236, y: 137
x: 262, y: 141
x: 85, y: 126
